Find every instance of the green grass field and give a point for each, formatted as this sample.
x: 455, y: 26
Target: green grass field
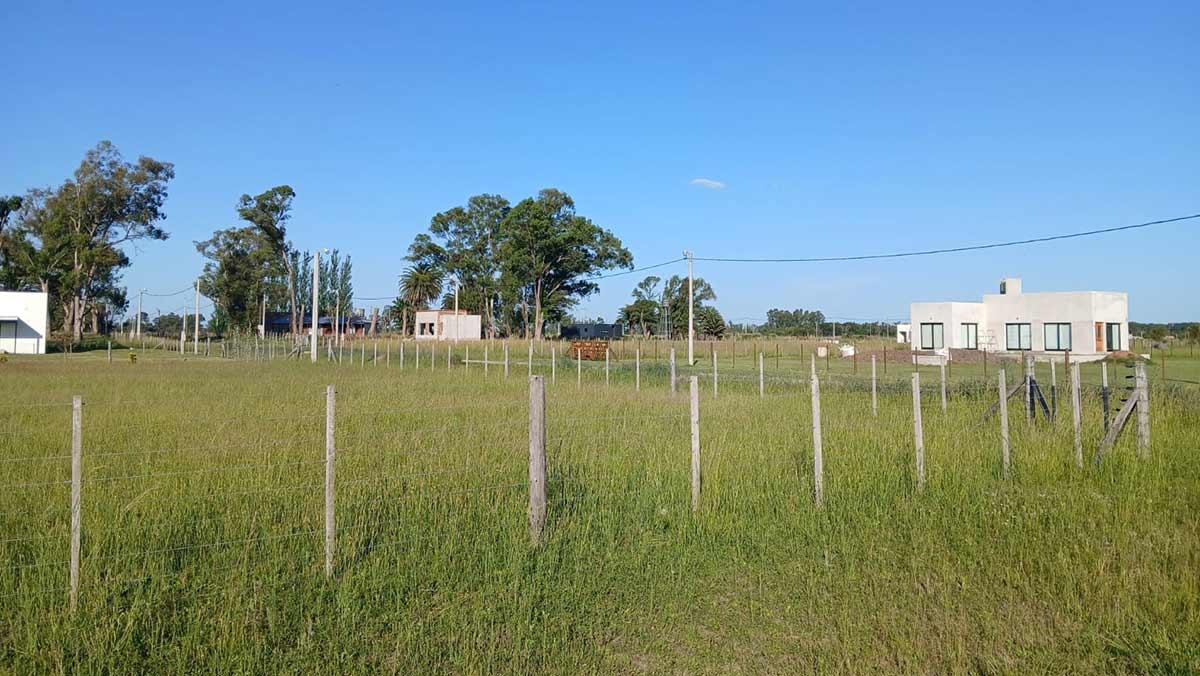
x: 203, y: 522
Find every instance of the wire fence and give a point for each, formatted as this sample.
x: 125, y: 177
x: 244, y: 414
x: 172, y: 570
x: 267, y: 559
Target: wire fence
x: 124, y: 507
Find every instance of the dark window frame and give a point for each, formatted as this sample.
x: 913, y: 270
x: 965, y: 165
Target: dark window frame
x: 1112, y: 330
x: 1058, y: 335
x: 932, y: 337
x: 968, y: 345
x: 1008, y: 343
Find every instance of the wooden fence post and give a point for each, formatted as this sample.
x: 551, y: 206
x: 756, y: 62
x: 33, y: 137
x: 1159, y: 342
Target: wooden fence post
x: 76, y: 493
x: 330, y: 455
x: 467, y: 358
x: 762, y: 389
x: 578, y: 368
x: 1053, y: 391
x: 530, y: 358
x: 1029, y: 388
x: 110, y: 351
x: 1076, y: 414
x: 694, y: 390
x: 1004, y: 450
x: 714, y: 360
x: 672, y: 371
x: 818, y: 455
x: 1143, y: 409
x: 537, y: 457
x: 606, y: 353
x: 416, y: 356
x: 553, y: 366
x: 637, y: 370
x: 918, y: 432
x: 485, y: 361
x: 505, y: 357
x: 874, y: 393
x: 942, y: 369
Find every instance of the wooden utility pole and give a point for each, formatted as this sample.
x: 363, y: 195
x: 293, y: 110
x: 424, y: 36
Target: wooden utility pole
x: 196, y: 330
x: 316, y: 294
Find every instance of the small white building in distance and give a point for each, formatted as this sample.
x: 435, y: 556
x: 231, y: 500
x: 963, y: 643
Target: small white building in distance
x: 445, y: 325
x: 1088, y: 324
x: 903, y: 332
x: 24, y: 320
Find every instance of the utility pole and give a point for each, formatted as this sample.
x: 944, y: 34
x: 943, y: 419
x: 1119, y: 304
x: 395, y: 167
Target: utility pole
x: 315, y: 291
x: 196, y: 332
x: 691, y: 312
x: 456, y: 310
x: 139, y: 315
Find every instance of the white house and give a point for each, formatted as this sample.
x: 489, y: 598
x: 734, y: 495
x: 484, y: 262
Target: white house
x: 1088, y: 324
x: 445, y: 325
x: 24, y: 319
x: 903, y: 332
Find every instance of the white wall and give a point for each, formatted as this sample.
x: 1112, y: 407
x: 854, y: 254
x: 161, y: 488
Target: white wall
x: 464, y: 327
x: 445, y: 326
x: 1080, y: 309
x: 32, y: 313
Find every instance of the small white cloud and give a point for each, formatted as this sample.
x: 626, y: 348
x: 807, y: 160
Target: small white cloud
x: 707, y: 183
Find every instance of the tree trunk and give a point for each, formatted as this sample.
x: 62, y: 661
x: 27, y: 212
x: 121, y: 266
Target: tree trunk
x: 537, y: 310
x: 374, y: 321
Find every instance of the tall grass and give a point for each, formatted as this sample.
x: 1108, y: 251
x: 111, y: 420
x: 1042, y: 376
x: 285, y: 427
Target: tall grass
x: 203, y: 526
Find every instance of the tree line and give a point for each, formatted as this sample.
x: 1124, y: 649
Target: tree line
x: 68, y: 240
x: 518, y: 267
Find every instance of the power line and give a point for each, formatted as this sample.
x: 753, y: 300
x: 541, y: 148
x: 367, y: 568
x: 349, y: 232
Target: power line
x: 648, y: 267
x: 959, y: 249
x: 168, y: 295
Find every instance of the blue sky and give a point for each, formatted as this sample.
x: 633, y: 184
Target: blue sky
x: 833, y: 128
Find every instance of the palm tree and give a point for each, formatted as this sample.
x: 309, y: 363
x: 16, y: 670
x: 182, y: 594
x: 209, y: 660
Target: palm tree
x: 419, y: 285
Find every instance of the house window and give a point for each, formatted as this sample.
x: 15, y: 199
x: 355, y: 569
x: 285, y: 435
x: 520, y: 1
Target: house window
x: 1112, y: 335
x: 970, y: 334
x: 1020, y: 337
x: 1058, y: 336
x: 931, y: 337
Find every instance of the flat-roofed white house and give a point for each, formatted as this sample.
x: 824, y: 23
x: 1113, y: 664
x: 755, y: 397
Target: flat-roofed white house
x: 446, y: 325
x: 903, y: 332
x: 1088, y: 324
x: 24, y: 320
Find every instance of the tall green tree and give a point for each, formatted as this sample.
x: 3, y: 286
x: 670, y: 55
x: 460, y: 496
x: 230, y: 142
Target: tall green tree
x: 420, y: 285
x: 645, y: 312
x: 270, y: 212
x: 675, y: 301
x: 241, y: 269
x: 465, y: 242
x: 548, y: 253
x: 107, y: 204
